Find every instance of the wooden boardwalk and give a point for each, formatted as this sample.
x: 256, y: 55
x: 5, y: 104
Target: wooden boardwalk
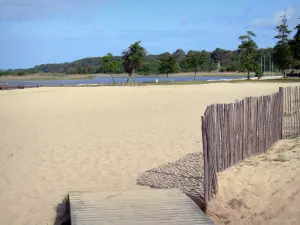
x: 140, y: 207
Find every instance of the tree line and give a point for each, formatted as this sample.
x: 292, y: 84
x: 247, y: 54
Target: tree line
x: 135, y: 60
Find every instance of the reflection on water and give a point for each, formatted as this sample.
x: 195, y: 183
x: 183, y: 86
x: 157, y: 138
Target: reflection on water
x: 109, y: 80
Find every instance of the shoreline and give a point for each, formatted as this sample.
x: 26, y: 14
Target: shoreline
x: 267, y: 79
x: 34, y: 77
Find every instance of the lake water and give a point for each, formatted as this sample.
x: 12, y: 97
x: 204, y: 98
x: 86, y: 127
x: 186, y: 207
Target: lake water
x: 108, y: 80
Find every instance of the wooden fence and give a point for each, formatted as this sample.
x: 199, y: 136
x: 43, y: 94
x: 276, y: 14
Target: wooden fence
x: 291, y: 116
x: 233, y: 132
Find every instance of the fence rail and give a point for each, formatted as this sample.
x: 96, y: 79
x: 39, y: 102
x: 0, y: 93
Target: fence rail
x: 233, y: 132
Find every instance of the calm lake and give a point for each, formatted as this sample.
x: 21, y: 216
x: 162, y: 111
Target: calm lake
x: 108, y: 80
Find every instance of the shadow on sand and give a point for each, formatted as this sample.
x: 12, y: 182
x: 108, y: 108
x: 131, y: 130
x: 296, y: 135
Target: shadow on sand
x: 185, y: 174
x: 63, y: 212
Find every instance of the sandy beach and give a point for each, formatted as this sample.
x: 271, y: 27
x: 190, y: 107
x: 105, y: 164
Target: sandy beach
x: 55, y: 140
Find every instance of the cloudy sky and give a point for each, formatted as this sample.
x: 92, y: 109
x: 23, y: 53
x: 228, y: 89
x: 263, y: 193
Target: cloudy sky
x: 48, y: 31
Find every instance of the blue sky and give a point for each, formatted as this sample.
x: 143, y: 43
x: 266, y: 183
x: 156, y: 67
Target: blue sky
x: 50, y: 31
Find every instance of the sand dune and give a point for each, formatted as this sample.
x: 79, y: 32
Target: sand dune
x: 263, y: 190
x: 54, y: 140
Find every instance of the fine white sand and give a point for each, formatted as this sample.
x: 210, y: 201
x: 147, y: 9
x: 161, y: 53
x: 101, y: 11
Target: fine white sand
x: 54, y: 140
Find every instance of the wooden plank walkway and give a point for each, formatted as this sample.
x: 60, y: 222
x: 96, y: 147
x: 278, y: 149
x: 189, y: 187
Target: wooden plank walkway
x: 151, y: 207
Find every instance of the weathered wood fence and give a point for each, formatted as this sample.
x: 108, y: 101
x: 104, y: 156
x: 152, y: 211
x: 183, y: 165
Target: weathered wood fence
x: 233, y: 132
x: 291, y: 112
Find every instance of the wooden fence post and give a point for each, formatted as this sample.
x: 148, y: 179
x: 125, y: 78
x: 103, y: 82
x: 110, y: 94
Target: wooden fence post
x: 205, y: 159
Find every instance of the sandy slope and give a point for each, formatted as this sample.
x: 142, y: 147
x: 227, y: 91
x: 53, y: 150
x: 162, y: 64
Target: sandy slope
x: 263, y: 190
x: 54, y: 140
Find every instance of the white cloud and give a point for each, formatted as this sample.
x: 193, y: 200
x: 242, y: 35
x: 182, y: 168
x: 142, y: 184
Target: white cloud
x: 289, y: 12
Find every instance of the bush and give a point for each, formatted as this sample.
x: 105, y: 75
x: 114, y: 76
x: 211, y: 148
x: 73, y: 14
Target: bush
x: 222, y: 69
x: 258, y: 73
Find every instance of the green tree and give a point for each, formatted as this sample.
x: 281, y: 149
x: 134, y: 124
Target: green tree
x: 133, y: 58
x: 179, y: 55
x: 194, y: 60
x: 248, y: 49
x: 296, y: 41
x: 168, y: 64
x: 184, y: 67
x: 295, y: 47
x: 283, y: 32
x: 282, y: 54
x: 109, y: 65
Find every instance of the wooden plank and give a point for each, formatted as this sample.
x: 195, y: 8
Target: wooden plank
x: 295, y: 110
x: 238, y: 131
x: 226, y: 135
x: 261, y: 125
x: 215, y: 137
x: 222, y: 137
x: 211, y: 151
x: 285, y: 112
x: 279, y: 130
x: 298, y: 113
x: 273, y: 110
x: 250, y: 128
x: 265, y: 112
x: 214, y: 150
x: 292, y: 111
x: 208, y: 139
x: 233, y: 140
x: 269, y: 130
x: 255, y: 117
x: 282, y: 96
x: 234, y: 137
x: 289, y: 113
x: 246, y: 128
x: 143, y: 207
x: 230, y: 123
x: 242, y: 128
x: 218, y: 126
x: 258, y: 113
x: 277, y: 102
x: 281, y: 92
x: 205, y: 159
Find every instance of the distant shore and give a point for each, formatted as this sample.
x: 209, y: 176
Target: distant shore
x: 48, y: 77
x: 54, y: 76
